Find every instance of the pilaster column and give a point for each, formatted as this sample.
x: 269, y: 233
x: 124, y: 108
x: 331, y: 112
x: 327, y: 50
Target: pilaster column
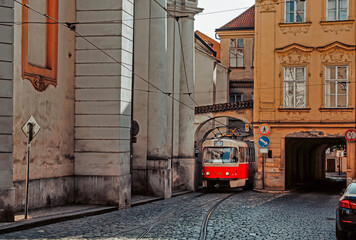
x: 157, y: 102
x: 158, y: 155
x: 186, y: 124
x: 7, y: 191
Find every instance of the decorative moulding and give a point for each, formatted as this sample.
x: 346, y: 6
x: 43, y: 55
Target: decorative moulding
x: 294, y: 54
x: 294, y: 28
x: 337, y: 26
x: 267, y: 5
x: 336, y: 52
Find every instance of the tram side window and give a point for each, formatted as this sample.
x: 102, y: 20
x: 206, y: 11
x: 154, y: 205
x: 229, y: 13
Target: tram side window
x: 242, y: 154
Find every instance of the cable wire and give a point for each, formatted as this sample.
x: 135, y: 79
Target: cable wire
x: 69, y: 26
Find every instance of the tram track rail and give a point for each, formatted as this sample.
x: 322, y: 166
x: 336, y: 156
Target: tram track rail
x: 170, y: 213
x: 204, y: 228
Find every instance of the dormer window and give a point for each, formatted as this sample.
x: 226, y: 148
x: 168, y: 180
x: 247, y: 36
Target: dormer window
x: 294, y: 11
x: 336, y: 10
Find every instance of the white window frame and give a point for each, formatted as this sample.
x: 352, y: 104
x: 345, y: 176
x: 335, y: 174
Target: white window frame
x: 336, y: 80
x: 337, y: 11
x: 235, y: 94
x: 295, y: 11
x: 294, y: 86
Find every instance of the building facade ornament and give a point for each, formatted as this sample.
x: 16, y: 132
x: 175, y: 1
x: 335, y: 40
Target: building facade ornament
x: 336, y: 53
x: 332, y: 27
x: 294, y: 54
x: 312, y: 134
x: 294, y: 28
x: 40, y: 83
x: 267, y: 5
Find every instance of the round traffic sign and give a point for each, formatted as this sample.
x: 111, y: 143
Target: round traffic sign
x: 264, y: 129
x: 263, y: 142
x: 350, y: 135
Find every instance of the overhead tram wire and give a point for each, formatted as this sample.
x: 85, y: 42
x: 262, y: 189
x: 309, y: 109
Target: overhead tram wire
x: 70, y: 27
x: 184, y: 65
x: 124, y: 20
x: 65, y: 24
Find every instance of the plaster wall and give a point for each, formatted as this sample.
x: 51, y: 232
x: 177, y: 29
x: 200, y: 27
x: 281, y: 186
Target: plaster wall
x: 205, y: 86
x: 7, y: 192
x: 52, y: 150
x: 275, y: 167
x: 103, y: 102
x: 245, y: 72
x: 310, y: 45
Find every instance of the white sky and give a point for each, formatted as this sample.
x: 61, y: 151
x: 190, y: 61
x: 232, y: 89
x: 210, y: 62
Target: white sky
x: 207, y: 23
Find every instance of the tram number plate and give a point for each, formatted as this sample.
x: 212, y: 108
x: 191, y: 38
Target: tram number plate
x: 218, y: 143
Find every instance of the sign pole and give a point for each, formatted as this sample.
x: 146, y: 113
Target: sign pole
x: 263, y: 170
x: 30, y: 136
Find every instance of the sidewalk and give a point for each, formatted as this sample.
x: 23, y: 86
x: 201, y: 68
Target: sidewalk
x: 45, y: 216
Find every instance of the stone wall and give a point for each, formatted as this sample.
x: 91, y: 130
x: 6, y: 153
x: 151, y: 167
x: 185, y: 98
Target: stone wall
x: 103, y: 102
x: 7, y: 193
x: 52, y: 150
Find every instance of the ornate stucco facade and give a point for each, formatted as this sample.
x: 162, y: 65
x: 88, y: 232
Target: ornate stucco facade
x: 296, y: 57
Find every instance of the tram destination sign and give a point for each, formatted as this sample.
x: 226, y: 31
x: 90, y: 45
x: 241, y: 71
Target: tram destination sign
x: 350, y: 135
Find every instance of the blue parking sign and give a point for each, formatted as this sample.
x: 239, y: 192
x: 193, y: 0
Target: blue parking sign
x: 263, y: 142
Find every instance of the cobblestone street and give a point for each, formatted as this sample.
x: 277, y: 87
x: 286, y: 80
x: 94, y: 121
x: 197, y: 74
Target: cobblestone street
x: 242, y: 215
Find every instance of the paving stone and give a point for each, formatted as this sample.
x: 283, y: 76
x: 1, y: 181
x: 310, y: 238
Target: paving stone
x: 245, y: 215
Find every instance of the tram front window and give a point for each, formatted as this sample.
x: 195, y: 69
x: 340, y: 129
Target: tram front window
x: 220, y: 155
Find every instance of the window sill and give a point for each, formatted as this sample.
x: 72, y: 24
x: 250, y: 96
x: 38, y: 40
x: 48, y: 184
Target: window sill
x: 281, y: 109
x: 323, y: 109
x: 336, y: 22
x: 237, y: 67
x: 297, y: 24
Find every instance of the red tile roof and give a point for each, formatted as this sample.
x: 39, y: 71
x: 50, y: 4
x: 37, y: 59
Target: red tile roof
x: 244, y: 21
x: 211, y: 42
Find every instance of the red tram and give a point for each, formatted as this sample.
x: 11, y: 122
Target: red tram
x: 227, y: 162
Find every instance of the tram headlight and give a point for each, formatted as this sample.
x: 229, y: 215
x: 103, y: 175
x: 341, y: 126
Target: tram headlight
x: 207, y: 173
x: 227, y: 173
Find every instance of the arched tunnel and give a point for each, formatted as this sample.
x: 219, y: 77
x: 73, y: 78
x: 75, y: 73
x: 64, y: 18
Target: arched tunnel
x: 305, y: 159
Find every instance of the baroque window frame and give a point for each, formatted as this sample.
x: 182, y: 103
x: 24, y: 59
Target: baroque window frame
x: 41, y: 77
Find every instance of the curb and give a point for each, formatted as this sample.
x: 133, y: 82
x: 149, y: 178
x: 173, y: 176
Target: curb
x: 41, y: 221
x: 46, y: 220
x: 274, y: 191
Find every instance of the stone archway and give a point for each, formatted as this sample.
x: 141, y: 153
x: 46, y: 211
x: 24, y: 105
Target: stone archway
x: 305, y: 155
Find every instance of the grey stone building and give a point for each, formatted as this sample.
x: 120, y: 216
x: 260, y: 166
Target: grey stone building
x: 84, y: 79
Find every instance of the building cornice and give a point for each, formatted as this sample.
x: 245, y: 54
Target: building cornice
x: 187, y: 8
x: 235, y: 33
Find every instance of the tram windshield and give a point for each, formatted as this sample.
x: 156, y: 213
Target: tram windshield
x: 219, y: 155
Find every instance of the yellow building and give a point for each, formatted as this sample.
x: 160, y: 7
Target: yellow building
x: 304, y: 87
x: 237, y: 47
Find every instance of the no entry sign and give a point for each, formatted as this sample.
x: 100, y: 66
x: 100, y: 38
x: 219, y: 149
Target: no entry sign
x: 350, y: 135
